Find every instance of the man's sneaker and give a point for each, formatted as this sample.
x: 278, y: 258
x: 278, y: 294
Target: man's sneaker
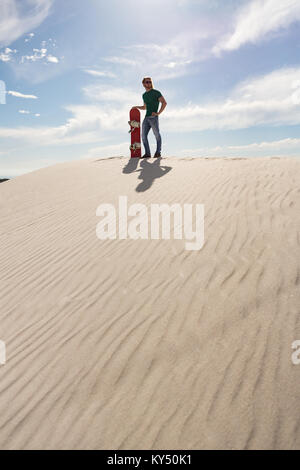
x: 146, y: 156
x: 157, y: 155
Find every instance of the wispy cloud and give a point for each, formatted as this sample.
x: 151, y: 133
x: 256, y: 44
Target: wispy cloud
x: 100, y: 73
x: 89, y: 123
x: 14, y: 22
x: 281, y: 147
x: 52, y: 59
x: 8, y: 169
x: 7, y: 54
x: 268, y: 100
x: 21, y: 95
x: 40, y: 55
x: 29, y: 37
x: 25, y: 111
x: 120, y: 60
x: 60, y: 135
x: 171, y: 59
x: 108, y: 93
x: 283, y: 144
x: 109, y: 150
x: 256, y: 20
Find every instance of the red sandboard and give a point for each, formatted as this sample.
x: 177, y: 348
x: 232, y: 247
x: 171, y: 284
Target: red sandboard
x: 135, y: 131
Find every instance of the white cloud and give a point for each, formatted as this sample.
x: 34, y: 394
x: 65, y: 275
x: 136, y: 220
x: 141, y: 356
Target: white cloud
x: 29, y: 37
x: 100, y: 92
x: 38, y: 54
x: 282, y: 144
x: 100, y: 73
x: 24, y: 111
x: 268, y: 100
x: 281, y: 147
x: 52, y: 59
x: 271, y: 100
x: 49, y: 135
x: 88, y: 124
x: 257, y: 19
x: 11, y: 167
x: 7, y: 54
x: 120, y: 60
x: 4, y: 57
x: 171, y: 59
x: 21, y: 95
x: 109, y: 150
x: 14, y: 23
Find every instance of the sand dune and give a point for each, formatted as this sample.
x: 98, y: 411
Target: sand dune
x: 141, y: 344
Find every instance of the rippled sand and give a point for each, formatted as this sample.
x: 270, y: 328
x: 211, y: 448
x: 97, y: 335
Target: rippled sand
x: 141, y: 344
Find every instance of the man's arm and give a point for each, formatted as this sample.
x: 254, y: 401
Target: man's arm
x: 139, y: 107
x: 163, y: 104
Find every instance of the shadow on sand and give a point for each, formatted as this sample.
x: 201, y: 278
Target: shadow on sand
x: 131, y: 166
x: 149, y: 172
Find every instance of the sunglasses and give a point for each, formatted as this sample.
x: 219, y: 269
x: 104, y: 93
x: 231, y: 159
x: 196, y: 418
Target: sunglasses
x: 147, y: 82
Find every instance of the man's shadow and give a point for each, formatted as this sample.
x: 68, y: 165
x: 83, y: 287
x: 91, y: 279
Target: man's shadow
x: 150, y: 172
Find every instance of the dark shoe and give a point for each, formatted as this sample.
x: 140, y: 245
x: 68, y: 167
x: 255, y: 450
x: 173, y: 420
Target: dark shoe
x: 157, y: 155
x: 146, y: 156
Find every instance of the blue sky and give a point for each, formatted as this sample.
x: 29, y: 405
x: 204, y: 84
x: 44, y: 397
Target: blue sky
x: 71, y: 70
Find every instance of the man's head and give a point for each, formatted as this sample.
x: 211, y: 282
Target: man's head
x: 147, y: 82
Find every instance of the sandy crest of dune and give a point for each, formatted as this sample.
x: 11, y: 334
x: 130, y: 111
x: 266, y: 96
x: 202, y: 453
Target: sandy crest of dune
x: 141, y: 344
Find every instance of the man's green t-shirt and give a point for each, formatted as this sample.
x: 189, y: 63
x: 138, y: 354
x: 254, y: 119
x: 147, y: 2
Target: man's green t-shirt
x: 151, y: 100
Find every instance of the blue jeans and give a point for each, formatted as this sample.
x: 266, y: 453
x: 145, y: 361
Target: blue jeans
x: 148, y: 123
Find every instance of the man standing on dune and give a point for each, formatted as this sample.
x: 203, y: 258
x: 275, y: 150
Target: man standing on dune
x: 151, y: 98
